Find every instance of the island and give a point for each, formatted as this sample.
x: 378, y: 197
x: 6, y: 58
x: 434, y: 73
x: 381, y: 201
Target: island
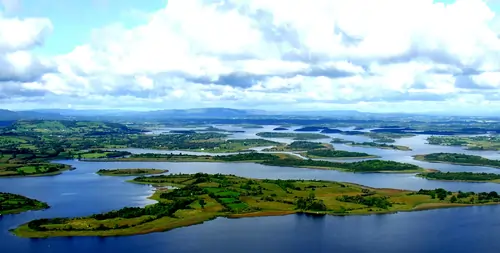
x: 201, y: 197
x: 283, y: 160
x: 379, y: 145
x: 368, y: 166
x: 295, y: 136
x: 13, y: 203
x: 300, y: 146
x: 100, y: 153
x: 129, y: 172
x: 462, y: 176
x: 242, y: 157
x: 280, y: 129
x: 459, y: 159
x: 337, y: 154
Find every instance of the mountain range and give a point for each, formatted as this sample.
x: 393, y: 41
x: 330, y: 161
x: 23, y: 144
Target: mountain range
x: 195, y: 113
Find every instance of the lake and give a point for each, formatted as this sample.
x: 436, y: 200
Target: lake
x: 82, y: 192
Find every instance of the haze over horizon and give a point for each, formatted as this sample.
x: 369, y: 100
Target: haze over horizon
x: 407, y: 56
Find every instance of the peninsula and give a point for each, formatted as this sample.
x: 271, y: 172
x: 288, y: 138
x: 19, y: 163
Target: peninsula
x: 13, y: 203
x: 201, y: 197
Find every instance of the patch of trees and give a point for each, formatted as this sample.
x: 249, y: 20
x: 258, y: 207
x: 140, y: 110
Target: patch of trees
x: 311, y: 203
x: 461, y: 176
x: 440, y: 193
x: 462, y: 197
x: 157, y: 211
x: 371, y: 201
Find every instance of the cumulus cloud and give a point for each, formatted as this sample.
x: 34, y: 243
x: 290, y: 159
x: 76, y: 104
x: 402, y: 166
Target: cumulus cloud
x: 286, y: 54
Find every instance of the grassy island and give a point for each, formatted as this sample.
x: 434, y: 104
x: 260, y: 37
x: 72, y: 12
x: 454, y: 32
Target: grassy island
x: 13, y: 203
x: 369, y: 166
x: 379, y: 145
x: 338, y: 154
x: 459, y: 159
x: 462, y: 176
x: 295, y: 136
x: 242, y: 157
x: 99, y: 153
x: 201, y: 197
x: 129, y: 172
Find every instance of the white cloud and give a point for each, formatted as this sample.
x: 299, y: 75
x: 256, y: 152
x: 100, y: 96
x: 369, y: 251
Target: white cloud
x: 287, y: 54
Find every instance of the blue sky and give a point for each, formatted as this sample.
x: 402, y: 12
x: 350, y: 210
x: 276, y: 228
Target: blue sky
x: 411, y: 55
x: 73, y: 21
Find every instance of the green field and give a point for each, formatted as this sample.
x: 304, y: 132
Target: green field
x: 201, y: 197
x: 13, y: 203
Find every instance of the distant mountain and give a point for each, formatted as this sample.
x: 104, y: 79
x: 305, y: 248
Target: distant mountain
x: 6, y: 115
x: 204, y: 113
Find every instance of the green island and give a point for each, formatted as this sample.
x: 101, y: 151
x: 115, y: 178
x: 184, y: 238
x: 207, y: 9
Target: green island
x: 339, y: 141
x: 201, y: 197
x: 295, y: 136
x: 338, y: 154
x: 129, y: 172
x: 13, y: 203
x: 462, y: 176
x: 379, y: 145
x: 98, y: 154
x: 368, y: 166
x: 242, y: 157
x: 299, y: 146
x: 459, y: 159
x: 283, y: 160
x: 317, y: 150
x: 491, y: 142
x: 387, y: 137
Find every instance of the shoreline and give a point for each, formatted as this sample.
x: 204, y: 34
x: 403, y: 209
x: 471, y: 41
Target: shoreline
x: 21, y: 230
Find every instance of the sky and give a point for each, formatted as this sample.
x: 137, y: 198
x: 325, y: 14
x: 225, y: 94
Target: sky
x: 377, y: 55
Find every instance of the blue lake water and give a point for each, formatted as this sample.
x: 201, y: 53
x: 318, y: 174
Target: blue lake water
x: 82, y: 192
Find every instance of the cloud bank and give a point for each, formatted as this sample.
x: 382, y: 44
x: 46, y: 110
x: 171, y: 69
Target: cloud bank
x: 412, y: 55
